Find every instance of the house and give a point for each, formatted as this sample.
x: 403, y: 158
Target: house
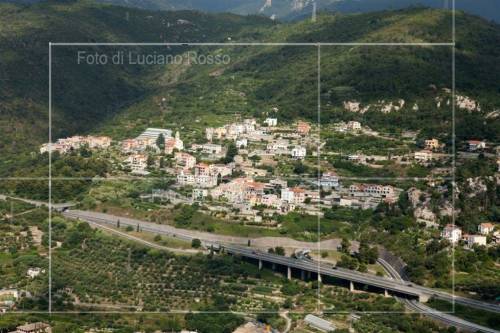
x: 485, y: 228
x: 199, y: 194
x: 37, y: 327
x: 185, y: 160
x: 33, y: 272
x: 208, y: 148
x: 475, y: 240
x: 203, y: 180
x: 293, y: 195
x: 221, y: 170
x: 431, y: 144
x: 372, y: 190
x: 271, y: 122
x: 129, y: 145
x: 299, y: 152
x: 319, y: 323
x: 270, y: 200
x: 474, y: 145
x: 329, y: 180
x: 173, y: 143
x: 287, y: 195
x: 354, y: 126
x: 451, y: 233
x: 423, y: 155
x: 278, y: 146
x: 242, y: 143
x: 303, y: 128
x: 137, y: 162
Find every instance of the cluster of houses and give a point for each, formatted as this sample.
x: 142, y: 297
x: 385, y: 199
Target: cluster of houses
x: 454, y: 234
x: 278, y: 140
x: 76, y: 142
x: 357, y: 195
x: 37, y: 327
x: 244, y: 193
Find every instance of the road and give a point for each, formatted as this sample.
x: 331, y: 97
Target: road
x: 37, y: 203
x: 288, y: 326
x: 208, y: 238
x: 445, y: 318
x: 142, y: 241
x: 260, y: 242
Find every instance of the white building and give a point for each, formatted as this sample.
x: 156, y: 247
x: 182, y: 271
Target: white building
x: 199, y: 194
x: 476, y: 145
x: 475, y: 240
x: 185, y: 160
x: 431, y: 144
x: 299, y: 152
x: 33, y: 272
x: 354, y: 126
x: 153, y: 134
x: 278, y: 146
x: 451, y: 233
x: 185, y: 178
x: 423, y: 155
x: 208, y: 148
x: 294, y: 195
x: 329, y: 180
x: 137, y: 162
x: 271, y: 122
x: 485, y: 228
x: 372, y: 190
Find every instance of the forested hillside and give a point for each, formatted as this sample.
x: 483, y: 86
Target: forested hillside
x: 123, y: 100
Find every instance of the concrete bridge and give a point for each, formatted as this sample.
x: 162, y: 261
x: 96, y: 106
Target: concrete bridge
x: 320, y: 270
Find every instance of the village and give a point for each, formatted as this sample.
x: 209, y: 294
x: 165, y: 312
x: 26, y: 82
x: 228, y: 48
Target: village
x: 254, y: 171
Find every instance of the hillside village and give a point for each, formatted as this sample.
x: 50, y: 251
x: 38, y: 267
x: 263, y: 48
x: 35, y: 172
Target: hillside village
x: 254, y: 171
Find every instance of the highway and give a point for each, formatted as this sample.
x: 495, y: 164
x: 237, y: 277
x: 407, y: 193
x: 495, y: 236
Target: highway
x: 444, y: 318
x: 37, y: 203
x: 239, y: 247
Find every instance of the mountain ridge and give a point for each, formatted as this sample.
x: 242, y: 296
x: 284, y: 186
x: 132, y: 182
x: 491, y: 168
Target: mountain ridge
x: 91, y: 99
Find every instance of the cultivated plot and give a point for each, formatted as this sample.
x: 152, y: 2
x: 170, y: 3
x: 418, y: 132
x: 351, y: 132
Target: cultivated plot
x: 24, y: 250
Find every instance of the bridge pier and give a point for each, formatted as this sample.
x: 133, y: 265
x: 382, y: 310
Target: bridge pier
x: 309, y: 275
x: 319, y: 278
x: 289, y: 273
x: 302, y: 274
x: 274, y: 266
x: 260, y: 264
x: 351, y: 286
x: 386, y: 293
x: 423, y: 298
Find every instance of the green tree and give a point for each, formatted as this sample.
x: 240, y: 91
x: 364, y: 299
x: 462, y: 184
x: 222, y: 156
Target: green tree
x: 232, y: 151
x: 196, y: 243
x: 160, y: 142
